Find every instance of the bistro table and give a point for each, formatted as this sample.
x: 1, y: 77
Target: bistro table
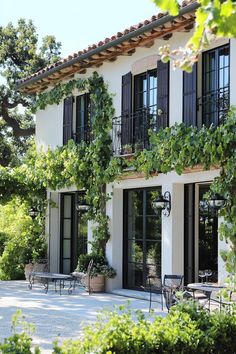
x: 207, y: 289
x: 55, y: 278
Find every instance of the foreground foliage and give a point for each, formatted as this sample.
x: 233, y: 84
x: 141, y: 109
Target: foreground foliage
x: 185, y: 330
x: 21, y: 239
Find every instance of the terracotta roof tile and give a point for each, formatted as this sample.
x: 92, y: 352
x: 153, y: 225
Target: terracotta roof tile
x: 107, y: 40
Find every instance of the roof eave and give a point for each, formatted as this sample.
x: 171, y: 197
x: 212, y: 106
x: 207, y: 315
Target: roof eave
x: 157, y: 23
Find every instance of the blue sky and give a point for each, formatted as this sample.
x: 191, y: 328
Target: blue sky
x: 77, y: 23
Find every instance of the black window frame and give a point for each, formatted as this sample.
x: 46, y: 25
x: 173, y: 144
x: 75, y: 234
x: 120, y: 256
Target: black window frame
x: 147, y: 74
x: 83, y: 119
x: 213, y: 97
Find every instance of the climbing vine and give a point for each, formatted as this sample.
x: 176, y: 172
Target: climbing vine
x: 91, y: 166
x: 180, y: 147
x: 88, y: 166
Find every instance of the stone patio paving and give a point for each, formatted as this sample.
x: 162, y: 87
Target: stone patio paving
x: 57, y: 316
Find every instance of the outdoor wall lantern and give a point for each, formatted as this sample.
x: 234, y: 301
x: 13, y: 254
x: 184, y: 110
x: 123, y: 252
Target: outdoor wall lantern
x: 81, y: 205
x: 33, y: 213
x: 162, y: 202
x: 216, y: 202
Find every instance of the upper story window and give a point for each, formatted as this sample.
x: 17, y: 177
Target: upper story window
x: 215, y: 98
x: 77, y: 121
x: 145, y: 92
x: 213, y: 88
x: 83, y: 119
x: 145, y: 105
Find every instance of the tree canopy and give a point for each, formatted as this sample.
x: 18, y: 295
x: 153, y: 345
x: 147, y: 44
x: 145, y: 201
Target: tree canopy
x: 20, y: 56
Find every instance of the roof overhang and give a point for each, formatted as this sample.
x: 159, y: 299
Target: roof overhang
x: 163, y: 26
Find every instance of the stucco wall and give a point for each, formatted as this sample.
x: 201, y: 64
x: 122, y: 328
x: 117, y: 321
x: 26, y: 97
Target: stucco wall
x: 49, y: 124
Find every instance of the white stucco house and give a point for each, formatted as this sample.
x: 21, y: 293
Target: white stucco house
x: 186, y: 240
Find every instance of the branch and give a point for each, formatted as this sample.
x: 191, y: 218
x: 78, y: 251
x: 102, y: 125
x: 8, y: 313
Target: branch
x: 17, y: 130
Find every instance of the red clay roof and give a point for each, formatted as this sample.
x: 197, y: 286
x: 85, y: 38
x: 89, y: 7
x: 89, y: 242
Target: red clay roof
x: 29, y: 83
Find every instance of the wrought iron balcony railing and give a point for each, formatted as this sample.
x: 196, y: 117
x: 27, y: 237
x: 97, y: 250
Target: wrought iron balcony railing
x: 130, y: 132
x: 214, y: 106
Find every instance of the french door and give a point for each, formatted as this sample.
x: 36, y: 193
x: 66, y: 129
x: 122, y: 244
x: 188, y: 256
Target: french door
x: 142, y: 237
x: 73, y: 233
x: 200, y: 234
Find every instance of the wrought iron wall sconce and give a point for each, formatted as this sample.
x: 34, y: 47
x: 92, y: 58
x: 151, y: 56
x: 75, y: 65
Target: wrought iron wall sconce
x: 81, y: 205
x: 162, y: 202
x: 213, y: 204
x: 33, y: 212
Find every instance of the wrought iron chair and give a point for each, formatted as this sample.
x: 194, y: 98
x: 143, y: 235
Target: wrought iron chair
x: 171, y: 284
x: 154, y: 287
x: 83, y: 278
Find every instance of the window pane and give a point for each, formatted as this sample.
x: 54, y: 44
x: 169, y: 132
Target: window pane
x: 135, y: 227
x: 66, y: 248
x: 67, y: 206
x: 135, y: 275
x: 67, y: 229
x: 135, y: 206
x: 66, y: 266
x: 153, y: 224
x: 135, y: 251
x: 153, y: 253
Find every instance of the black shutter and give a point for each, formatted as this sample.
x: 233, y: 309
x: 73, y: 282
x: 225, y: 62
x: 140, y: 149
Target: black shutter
x: 126, y: 110
x: 83, y: 124
x: 162, y: 94
x: 190, y: 97
x: 67, y: 119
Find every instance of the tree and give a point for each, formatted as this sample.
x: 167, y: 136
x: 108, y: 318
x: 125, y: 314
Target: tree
x: 214, y: 18
x: 20, y: 57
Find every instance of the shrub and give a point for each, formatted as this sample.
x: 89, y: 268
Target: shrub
x: 22, y: 239
x: 19, y: 343
x: 185, y: 330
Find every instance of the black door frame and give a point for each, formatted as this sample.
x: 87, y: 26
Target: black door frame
x: 191, y: 231
x: 125, y: 231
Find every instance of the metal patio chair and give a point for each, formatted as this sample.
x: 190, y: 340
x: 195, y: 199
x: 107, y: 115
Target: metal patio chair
x: 154, y: 287
x: 171, y: 284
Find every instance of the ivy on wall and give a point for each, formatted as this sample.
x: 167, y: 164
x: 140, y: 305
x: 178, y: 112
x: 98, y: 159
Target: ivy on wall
x: 91, y: 166
x: 180, y: 147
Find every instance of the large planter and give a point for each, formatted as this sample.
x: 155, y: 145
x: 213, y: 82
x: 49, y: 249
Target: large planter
x: 97, y: 284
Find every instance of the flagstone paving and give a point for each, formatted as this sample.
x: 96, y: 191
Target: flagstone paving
x: 56, y: 316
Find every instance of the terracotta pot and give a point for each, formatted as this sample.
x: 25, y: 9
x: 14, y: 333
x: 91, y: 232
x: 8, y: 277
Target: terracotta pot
x: 97, y: 284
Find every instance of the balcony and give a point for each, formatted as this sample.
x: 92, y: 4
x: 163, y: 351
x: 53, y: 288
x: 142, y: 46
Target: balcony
x: 213, y: 107
x: 130, y: 132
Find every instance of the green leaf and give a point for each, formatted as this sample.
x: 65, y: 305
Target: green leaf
x: 171, y: 6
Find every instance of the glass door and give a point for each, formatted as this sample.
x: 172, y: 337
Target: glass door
x: 142, y: 237
x: 67, y: 231
x: 74, y: 233
x: 207, y: 237
x: 200, y: 234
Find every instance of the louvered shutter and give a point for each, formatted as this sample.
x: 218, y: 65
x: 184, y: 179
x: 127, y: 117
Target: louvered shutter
x: 68, y: 120
x: 126, y: 110
x: 162, y: 94
x: 190, y: 97
x: 83, y: 124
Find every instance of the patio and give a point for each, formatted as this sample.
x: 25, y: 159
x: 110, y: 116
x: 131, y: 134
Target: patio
x: 59, y: 316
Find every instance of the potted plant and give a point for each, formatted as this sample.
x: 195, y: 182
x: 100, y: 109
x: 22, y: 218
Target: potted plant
x: 100, y: 270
